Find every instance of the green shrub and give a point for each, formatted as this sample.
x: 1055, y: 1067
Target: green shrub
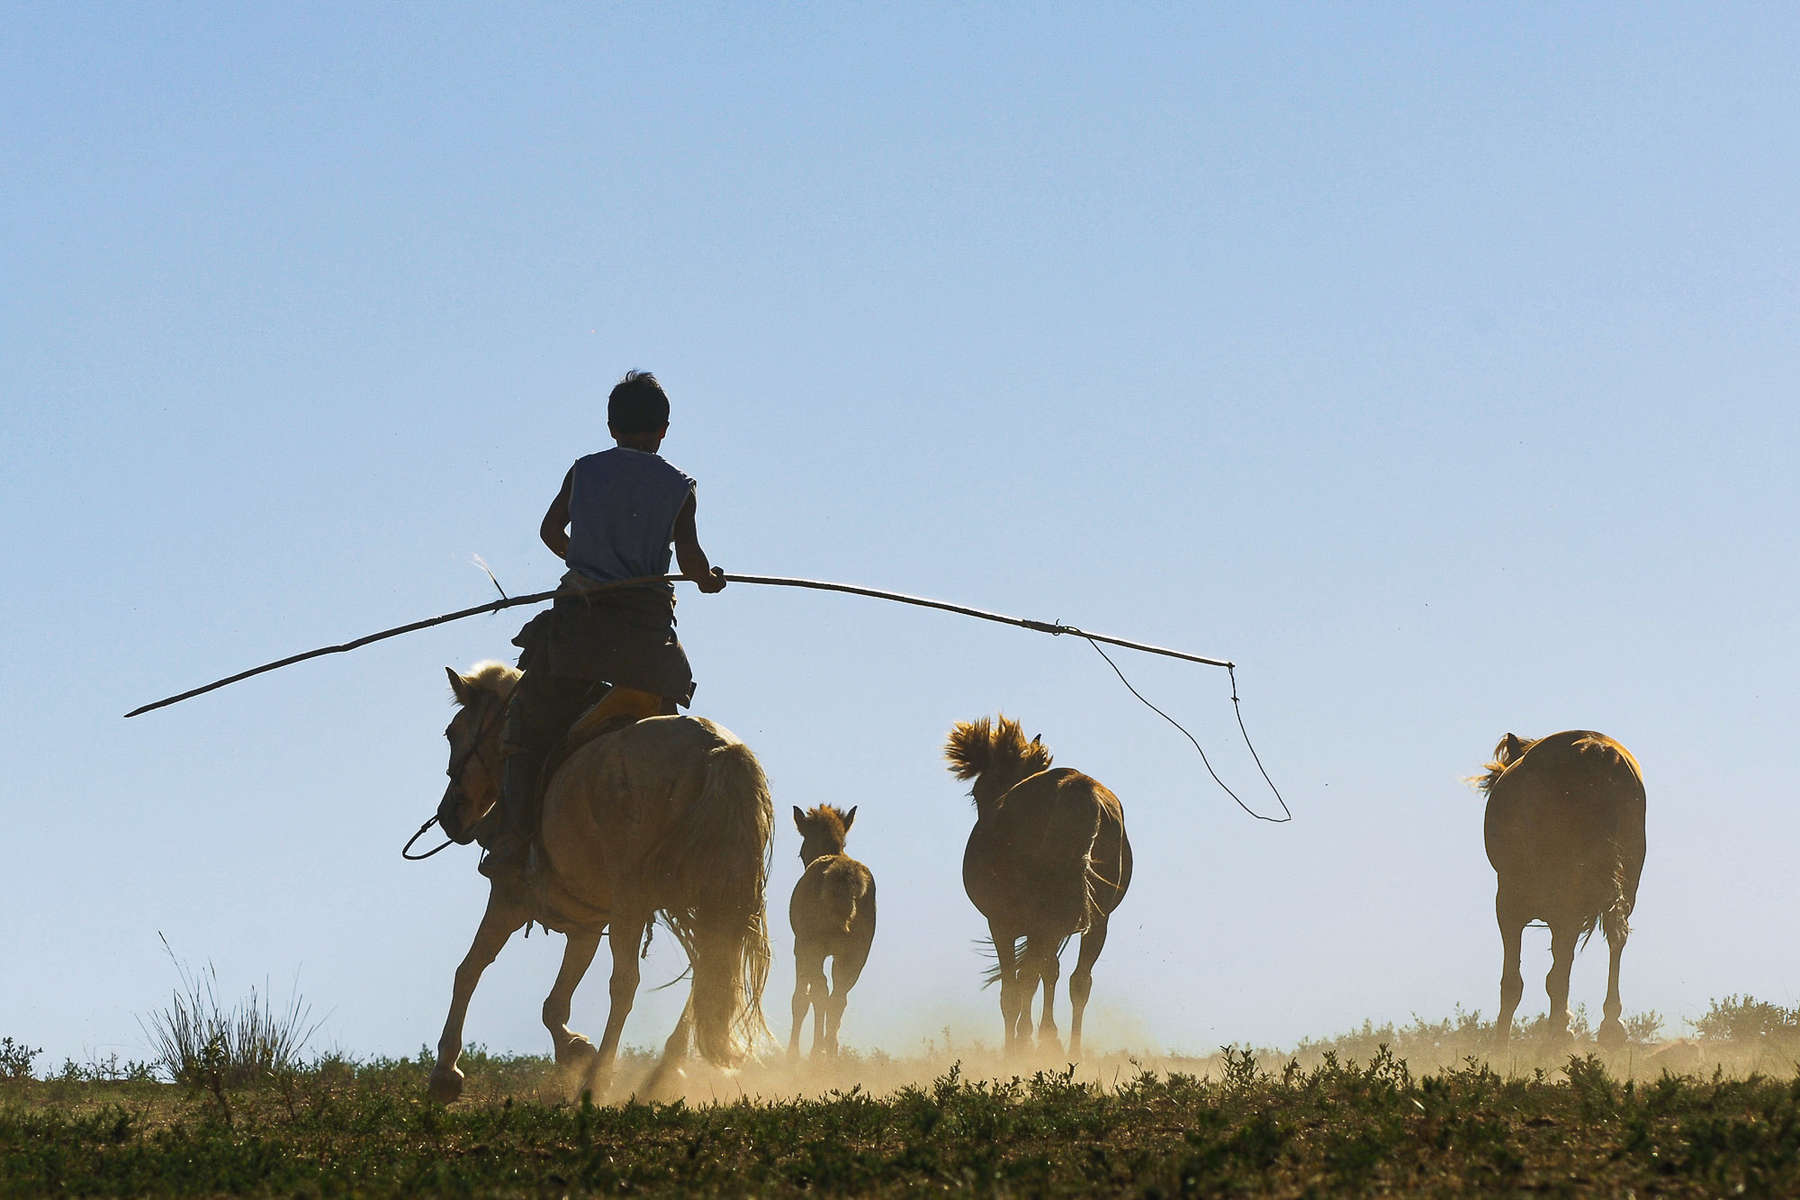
x: 16, y: 1059
x: 1745, y: 1019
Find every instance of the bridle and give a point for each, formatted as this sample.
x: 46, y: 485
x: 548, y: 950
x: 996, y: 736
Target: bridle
x: 475, y: 747
x: 474, y: 750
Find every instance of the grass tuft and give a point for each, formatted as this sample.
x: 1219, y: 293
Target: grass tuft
x: 201, y: 1043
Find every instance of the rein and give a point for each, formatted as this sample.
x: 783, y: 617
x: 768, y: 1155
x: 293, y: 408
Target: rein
x: 448, y: 842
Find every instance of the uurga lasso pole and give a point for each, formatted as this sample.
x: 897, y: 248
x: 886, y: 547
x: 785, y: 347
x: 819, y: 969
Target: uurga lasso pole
x: 816, y: 585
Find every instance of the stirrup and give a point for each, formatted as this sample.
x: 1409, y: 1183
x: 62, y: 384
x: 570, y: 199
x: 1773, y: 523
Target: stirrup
x: 507, y: 859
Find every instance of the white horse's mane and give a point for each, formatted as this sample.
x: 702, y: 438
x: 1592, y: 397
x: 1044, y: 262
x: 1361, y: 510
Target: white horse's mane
x: 492, y: 676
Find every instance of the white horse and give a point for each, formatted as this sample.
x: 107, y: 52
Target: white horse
x: 669, y: 815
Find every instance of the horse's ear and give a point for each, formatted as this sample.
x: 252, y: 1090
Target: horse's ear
x: 1512, y: 744
x: 849, y: 817
x: 1037, y: 739
x: 799, y: 819
x: 458, y: 685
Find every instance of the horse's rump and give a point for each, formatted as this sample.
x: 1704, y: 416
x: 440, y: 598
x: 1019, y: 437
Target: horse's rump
x: 828, y: 895
x: 1576, y: 751
x: 1565, y: 824
x: 1055, y: 818
x: 672, y: 814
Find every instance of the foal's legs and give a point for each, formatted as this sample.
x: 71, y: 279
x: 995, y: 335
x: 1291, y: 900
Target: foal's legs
x: 1010, y: 998
x: 846, y: 969
x: 626, y: 936
x: 1081, y: 979
x: 1512, y: 921
x: 571, y: 1048
x: 809, y: 991
x: 1556, y: 983
x: 1612, y: 1030
x: 502, y: 918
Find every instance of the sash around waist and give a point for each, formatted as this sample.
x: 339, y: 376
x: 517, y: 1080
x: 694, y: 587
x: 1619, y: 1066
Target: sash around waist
x: 624, y: 636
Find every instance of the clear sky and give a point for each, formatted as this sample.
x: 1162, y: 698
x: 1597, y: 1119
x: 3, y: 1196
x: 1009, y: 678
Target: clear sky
x: 1436, y: 364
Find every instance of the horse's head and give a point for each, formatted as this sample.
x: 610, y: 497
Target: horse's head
x: 822, y: 830
x: 474, y: 737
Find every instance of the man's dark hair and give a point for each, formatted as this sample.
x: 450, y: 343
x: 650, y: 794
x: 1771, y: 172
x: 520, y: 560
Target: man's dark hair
x: 637, y: 404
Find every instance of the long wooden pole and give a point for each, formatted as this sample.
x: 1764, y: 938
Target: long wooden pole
x: 1049, y: 627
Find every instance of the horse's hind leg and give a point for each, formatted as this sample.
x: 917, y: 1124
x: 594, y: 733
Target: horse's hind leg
x: 1612, y: 1030
x: 571, y: 1048
x: 1562, y: 958
x: 668, y: 1067
x: 1081, y: 979
x: 1512, y: 984
x: 1049, y: 970
x: 1030, y: 973
x: 626, y: 936
x: 1007, y: 963
x: 498, y: 923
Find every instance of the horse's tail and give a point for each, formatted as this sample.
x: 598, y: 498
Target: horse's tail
x: 1098, y: 884
x: 1617, y: 917
x: 1063, y: 853
x: 725, y: 858
x: 1623, y: 780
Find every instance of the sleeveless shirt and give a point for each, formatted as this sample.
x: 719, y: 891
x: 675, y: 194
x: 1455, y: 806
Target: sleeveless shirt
x: 622, y: 509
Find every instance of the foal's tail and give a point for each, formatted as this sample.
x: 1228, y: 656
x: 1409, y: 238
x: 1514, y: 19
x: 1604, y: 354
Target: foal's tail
x: 843, y: 888
x: 726, y: 865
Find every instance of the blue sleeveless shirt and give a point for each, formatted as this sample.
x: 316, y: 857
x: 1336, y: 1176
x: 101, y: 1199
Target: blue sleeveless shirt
x: 622, y: 509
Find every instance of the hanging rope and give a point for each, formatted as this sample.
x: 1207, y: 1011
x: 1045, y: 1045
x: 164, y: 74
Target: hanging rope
x: 1286, y: 816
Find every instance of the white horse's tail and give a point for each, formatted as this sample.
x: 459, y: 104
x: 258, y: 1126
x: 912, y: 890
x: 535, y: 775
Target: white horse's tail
x: 725, y: 861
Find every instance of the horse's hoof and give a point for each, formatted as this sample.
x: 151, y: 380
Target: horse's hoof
x: 576, y: 1053
x: 1611, y: 1034
x: 446, y: 1084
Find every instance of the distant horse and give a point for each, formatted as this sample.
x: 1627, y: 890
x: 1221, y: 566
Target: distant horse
x: 833, y: 915
x: 1565, y: 833
x: 1048, y: 859
x: 670, y: 815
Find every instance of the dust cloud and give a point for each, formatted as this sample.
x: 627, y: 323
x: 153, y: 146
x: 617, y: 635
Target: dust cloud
x: 965, y: 1054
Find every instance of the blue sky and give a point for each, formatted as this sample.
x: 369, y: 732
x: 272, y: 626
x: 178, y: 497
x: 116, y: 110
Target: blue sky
x: 1434, y: 365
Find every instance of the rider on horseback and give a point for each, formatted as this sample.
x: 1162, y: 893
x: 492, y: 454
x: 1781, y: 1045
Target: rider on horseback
x: 611, y: 650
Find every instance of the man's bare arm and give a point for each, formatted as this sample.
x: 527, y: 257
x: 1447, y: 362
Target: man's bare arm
x: 555, y: 527
x: 689, y: 556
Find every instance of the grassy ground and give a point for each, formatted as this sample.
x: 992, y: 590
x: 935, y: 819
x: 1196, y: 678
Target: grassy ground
x: 1340, y: 1118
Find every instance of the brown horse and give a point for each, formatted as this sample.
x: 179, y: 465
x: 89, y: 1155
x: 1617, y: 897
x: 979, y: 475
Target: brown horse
x: 833, y: 915
x: 1048, y: 858
x: 670, y: 816
x: 1565, y: 834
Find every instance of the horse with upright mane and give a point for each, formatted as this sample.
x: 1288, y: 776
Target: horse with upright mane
x: 1048, y: 859
x: 1565, y: 834
x: 666, y: 817
x: 832, y: 912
